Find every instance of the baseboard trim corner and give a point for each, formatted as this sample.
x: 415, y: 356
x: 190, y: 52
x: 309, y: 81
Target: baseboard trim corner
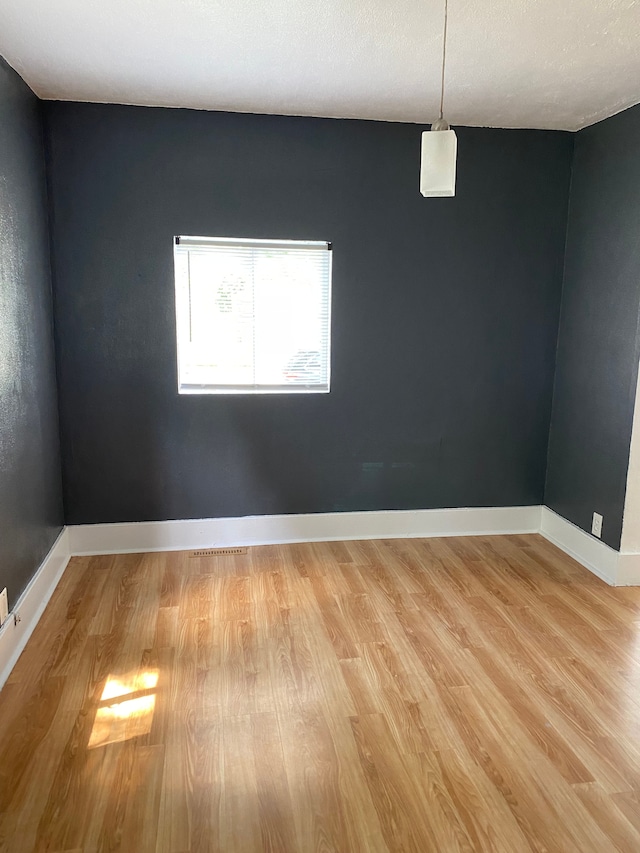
x: 628, y: 570
x: 590, y: 552
x: 31, y: 604
x: 135, y: 537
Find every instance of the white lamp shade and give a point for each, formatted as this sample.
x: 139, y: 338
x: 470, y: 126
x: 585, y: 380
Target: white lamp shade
x: 438, y: 163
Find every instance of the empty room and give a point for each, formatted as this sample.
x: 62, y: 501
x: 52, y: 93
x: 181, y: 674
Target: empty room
x: 319, y: 426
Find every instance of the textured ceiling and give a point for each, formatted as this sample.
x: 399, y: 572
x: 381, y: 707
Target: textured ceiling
x: 511, y: 63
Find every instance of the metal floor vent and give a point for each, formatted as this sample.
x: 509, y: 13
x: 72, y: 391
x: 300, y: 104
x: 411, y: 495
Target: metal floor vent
x: 219, y: 552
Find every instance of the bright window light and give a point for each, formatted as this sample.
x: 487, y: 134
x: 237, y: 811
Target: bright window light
x: 253, y: 316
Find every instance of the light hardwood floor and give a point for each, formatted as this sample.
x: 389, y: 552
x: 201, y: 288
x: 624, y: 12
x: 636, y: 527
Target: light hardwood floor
x: 477, y: 694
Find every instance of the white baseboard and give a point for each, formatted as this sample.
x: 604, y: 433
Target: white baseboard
x: 136, y: 537
x: 31, y: 604
x: 281, y: 529
x: 628, y: 570
x: 613, y: 567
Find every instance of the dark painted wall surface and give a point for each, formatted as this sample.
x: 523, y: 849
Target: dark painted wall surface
x: 444, y: 314
x: 30, y: 487
x: 598, y: 343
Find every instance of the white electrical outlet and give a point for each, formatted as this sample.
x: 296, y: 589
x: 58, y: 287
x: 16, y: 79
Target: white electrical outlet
x: 4, y: 606
x: 596, y: 525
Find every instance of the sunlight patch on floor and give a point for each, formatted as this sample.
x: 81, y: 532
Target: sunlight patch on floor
x: 126, y: 708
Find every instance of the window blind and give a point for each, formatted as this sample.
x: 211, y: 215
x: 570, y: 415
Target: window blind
x: 253, y: 316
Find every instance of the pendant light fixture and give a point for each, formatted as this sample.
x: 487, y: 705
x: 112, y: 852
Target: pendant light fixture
x: 439, y: 145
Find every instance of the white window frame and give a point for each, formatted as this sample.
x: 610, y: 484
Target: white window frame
x: 183, y: 314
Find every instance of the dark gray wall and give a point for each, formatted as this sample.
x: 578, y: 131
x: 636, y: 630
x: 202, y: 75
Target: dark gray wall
x: 597, y: 360
x: 30, y: 486
x: 445, y: 314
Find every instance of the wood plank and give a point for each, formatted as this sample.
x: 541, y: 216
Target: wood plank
x: 312, y: 768
x: 393, y: 788
x: 275, y: 811
x: 240, y: 827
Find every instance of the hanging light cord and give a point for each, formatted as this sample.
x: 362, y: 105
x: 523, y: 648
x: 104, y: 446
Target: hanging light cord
x: 444, y: 56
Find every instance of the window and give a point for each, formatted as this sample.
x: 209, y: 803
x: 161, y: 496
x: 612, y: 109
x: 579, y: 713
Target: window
x: 253, y: 316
